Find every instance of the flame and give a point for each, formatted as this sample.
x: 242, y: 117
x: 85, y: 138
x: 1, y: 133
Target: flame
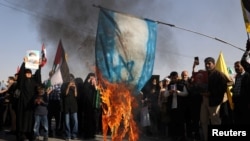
x: 118, y: 103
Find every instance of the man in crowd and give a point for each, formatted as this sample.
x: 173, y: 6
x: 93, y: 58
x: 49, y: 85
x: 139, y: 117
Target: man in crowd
x: 54, y: 105
x: 213, y: 97
x: 241, y: 96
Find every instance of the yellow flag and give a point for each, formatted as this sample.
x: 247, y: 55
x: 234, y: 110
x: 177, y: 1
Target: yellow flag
x: 245, y: 4
x: 221, y: 66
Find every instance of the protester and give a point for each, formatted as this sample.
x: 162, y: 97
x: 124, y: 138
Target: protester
x: 6, y: 103
x: 241, y: 98
x: 212, y: 99
x: 89, y: 119
x: 80, y: 101
x: 191, y: 104
x: 16, y: 94
x: 69, y: 107
x: 98, y: 111
x: 244, y: 60
x: 197, y: 86
x: 41, y: 113
x: 162, y: 101
x: 27, y: 85
x: 176, y: 93
x: 153, y: 105
x: 54, y: 105
x: 10, y: 103
x: 3, y: 89
x: 151, y: 93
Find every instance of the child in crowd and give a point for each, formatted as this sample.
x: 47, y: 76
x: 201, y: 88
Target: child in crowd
x: 40, y: 113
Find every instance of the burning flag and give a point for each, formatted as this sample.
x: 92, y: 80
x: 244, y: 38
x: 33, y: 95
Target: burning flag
x: 125, y: 48
x: 60, y: 67
x: 117, y: 111
x: 125, y: 53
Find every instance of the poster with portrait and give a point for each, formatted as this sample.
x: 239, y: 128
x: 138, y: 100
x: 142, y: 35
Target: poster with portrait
x: 200, y: 79
x: 200, y: 76
x: 33, y: 57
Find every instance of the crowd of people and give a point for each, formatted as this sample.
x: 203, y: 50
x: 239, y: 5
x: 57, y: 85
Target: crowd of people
x: 183, y: 107
x: 32, y: 109
x: 178, y: 107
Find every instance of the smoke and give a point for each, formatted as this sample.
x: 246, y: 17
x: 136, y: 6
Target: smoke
x: 75, y: 23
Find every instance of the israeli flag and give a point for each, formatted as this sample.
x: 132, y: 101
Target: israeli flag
x: 125, y: 48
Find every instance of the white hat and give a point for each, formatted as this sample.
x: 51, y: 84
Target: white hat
x: 167, y: 79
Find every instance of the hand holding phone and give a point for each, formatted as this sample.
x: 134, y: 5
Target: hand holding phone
x: 196, y: 60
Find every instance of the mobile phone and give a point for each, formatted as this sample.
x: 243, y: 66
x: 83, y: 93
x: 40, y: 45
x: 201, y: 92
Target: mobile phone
x: 196, y: 60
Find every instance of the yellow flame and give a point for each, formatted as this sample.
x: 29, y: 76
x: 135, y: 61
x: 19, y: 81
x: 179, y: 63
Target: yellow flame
x: 118, y: 103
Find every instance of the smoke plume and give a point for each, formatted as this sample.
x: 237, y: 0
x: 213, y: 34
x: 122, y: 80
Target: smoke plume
x: 75, y: 23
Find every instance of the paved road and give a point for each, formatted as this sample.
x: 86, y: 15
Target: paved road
x: 6, y: 137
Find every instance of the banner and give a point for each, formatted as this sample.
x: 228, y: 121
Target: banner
x: 33, y: 59
x: 60, y: 68
x: 125, y: 48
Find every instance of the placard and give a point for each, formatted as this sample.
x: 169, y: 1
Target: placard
x: 33, y: 57
x: 200, y: 77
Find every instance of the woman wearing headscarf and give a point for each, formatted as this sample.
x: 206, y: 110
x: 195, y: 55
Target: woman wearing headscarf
x: 79, y: 85
x: 69, y: 96
x: 27, y: 84
x: 89, y: 94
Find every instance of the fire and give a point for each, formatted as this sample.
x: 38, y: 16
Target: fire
x: 118, y: 103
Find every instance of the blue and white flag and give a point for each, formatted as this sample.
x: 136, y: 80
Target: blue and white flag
x: 125, y: 48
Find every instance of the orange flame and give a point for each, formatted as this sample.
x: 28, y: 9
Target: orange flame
x: 118, y: 103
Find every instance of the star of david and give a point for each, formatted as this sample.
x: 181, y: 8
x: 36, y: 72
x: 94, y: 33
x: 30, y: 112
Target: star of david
x: 124, y: 65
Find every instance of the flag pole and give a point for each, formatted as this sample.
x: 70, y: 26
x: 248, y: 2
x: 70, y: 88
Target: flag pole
x: 217, y: 39
x: 172, y: 25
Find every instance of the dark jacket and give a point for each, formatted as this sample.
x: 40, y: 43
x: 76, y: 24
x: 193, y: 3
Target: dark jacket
x: 27, y: 87
x: 244, y: 62
x: 41, y: 109
x: 181, y: 100
x: 69, y: 101
x: 217, y: 87
x: 243, y: 99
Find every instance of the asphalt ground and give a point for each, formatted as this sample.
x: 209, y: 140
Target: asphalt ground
x: 4, y: 136
x: 8, y: 137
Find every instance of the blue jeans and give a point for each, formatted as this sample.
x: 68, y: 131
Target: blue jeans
x: 71, y: 125
x: 43, y: 120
